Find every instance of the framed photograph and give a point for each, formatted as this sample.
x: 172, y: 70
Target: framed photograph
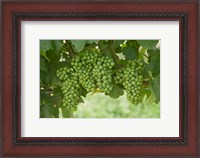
x: 100, y: 79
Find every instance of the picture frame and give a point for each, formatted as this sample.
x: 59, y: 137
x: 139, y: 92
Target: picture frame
x: 187, y: 144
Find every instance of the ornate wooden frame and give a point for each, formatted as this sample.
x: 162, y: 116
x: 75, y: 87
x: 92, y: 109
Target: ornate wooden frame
x: 187, y: 144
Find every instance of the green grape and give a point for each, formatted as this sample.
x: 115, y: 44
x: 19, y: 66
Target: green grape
x: 71, y: 92
x: 83, y: 64
x: 94, y: 71
x: 64, y: 73
x: 103, y: 73
x: 130, y: 77
x: 91, y: 72
x: 135, y: 80
x: 88, y: 82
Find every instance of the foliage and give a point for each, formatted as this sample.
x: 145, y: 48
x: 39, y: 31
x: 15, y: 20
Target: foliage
x: 70, y: 69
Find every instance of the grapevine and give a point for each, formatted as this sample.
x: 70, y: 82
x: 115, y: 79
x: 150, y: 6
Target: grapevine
x: 111, y: 67
x: 94, y: 72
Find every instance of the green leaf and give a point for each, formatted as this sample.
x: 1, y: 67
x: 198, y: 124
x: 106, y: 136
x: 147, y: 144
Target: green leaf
x: 45, y: 112
x: 43, y: 53
x: 117, y: 43
x: 54, y: 99
x: 145, y: 92
x: 58, y: 92
x: 154, y: 62
x: 134, y: 44
x: 49, y: 101
x: 92, y: 41
x: 52, y: 55
x: 156, y: 87
x: 55, y: 112
x: 50, y: 76
x: 79, y: 44
x: 154, y: 55
x: 66, y: 112
x: 148, y: 44
x: 130, y: 53
x: 152, y: 98
x: 42, y: 95
x: 48, y: 111
x: 118, y: 50
x: 43, y: 66
x: 45, y: 45
x: 56, y: 46
x: 57, y: 64
x: 42, y: 77
x: 116, y: 92
x: 105, y: 48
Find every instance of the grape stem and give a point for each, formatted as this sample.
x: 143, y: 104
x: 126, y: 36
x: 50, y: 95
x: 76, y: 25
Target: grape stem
x: 72, y: 51
x: 115, y: 57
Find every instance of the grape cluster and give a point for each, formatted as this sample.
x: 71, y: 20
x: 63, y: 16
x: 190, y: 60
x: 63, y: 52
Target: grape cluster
x: 131, y: 79
x: 71, y: 91
x: 103, y: 73
x: 64, y: 73
x: 83, y: 65
x: 90, y: 71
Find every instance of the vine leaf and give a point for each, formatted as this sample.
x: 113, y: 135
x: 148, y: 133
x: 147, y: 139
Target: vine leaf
x: 56, y: 46
x: 152, y: 98
x: 66, y: 113
x: 134, y: 44
x: 145, y: 92
x: 92, y: 41
x: 48, y: 111
x: 79, y: 44
x: 52, y: 56
x: 51, y: 77
x: 154, y: 62
x: 42, y: 77
x: 58, y: 92
x: 45, y: 45
x: 105, y: 48
x: 117, y: 43
x: 130, y: 52
x: 148, y: 44
x: 156, y: 87
x: 43, y: 66
x: 116, y: 92
x: 50, y: 44
x: 45, y: 111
